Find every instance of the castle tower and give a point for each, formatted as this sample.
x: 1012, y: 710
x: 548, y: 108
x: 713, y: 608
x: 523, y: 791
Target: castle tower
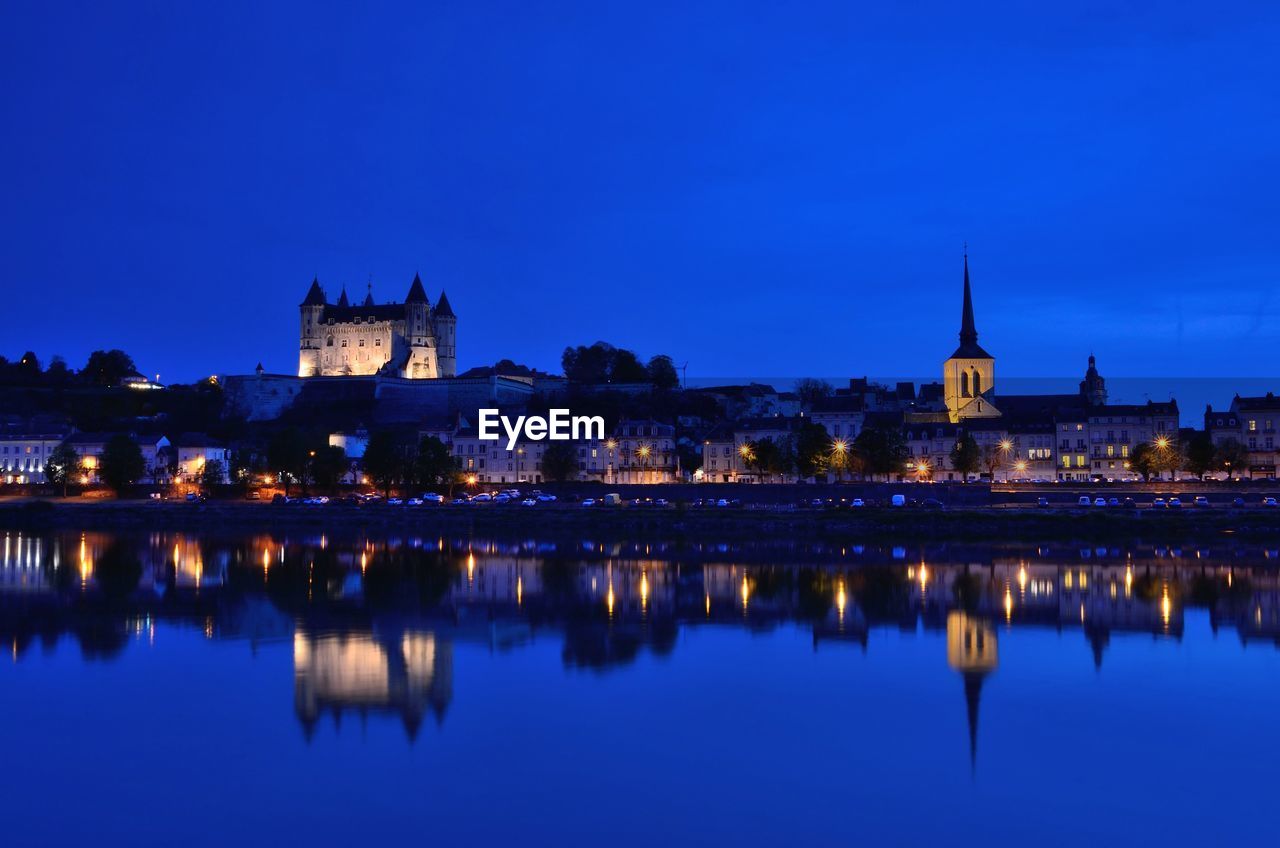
x: 969, y: 375
x: 311, y: 316
x: 446, y: 329
x: 421, y: 362
x: 1093, y: 388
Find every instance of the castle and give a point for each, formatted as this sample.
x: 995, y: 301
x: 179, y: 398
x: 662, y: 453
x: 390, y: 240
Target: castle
x: 412, y: 339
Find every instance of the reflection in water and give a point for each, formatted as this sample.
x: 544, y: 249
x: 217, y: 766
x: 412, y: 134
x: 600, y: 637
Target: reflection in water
x: 374, y: 622
x: 408, y: 675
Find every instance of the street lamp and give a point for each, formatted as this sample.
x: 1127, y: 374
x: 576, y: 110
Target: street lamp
x: 840, y: 449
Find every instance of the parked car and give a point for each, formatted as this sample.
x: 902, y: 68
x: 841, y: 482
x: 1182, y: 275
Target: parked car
x: 528, y: 502
x: 1113, y: 502
x: 931, y: 503
x: 1128, y: 503
x: 394, y: 502
x: 1042, y: 501
x: 1158, y: 503
x: 546, y: 498
x: 1238, y: 503
x: 589, y: 502
x: 1175, y: 503
x: 1201, y: 501
x: 898, y: 500
x: 1100, y: 502
x: 483, y: 497
x: 414, y: 502
x: 857, y: 503
x: 432, y: 497
x: 1083, y: 500
x: 254, y: 495
x: 1269, y: 500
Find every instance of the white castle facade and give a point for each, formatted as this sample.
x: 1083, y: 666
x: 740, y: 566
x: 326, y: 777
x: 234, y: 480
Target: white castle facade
x: 413, y: 339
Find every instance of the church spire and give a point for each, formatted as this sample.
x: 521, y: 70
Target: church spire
x: 968, y: 331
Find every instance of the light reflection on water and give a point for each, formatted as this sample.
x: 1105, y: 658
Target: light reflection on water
x: 956, y: 671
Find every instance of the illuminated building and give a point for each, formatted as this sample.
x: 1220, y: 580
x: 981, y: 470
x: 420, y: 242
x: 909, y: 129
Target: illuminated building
x: 413, y: 339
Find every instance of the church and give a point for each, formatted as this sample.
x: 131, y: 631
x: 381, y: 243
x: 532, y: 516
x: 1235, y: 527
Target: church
x: 413, y: 339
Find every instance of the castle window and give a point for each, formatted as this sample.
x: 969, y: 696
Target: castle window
x: 964, y: 384
x: 344, y: 342
x: 329, y: 343
x: 362, y: 343
x: 977, y: 383
x: 377, y: 342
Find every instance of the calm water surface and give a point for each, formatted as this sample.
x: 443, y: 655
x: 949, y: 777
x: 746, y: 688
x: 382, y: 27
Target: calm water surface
x: 170, y: 689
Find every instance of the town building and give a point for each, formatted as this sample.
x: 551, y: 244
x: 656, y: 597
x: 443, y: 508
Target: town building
x: 193, y: 453
x: 1258, y: 417
x: 90, y: 447
x: 24, y: 452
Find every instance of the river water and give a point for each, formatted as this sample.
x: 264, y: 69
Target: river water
x: 167, y: 689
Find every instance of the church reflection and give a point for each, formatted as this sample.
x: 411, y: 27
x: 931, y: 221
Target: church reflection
x: 376, y: 625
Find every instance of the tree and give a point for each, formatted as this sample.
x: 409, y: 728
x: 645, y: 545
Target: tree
x: 62, y: 466
x: 994, y: 457
x: 1200, y: 455
x: 212, y: 474
x: 328, y: 465
x: 28, y: 369
x: 880, y: 450
x: 811, y: 390
x: 122, y: 463
x: 966, y: 456
x: 765, y: 456
x: 107, y: 367
x: 560, y: 461
x: 626, y: 368
x: 588, y: 364
x: 287, y: 456
x: 1167, y: 456
x: 57, y: 374
x: 662, y: 373
x: 1232, y: 457
x: 384, y: 461
x: 434, y: 465
x: 1143, y: 461
x: 813, y: 449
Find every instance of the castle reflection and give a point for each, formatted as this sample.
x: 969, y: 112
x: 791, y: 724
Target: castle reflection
x: 374, y: 623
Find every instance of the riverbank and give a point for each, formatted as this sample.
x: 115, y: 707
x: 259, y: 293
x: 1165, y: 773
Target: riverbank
x: 993, y: 524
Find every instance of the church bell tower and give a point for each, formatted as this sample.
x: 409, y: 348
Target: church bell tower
x: 969, y: 374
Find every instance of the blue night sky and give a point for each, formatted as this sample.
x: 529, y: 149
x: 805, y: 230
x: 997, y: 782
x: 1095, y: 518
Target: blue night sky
x: 756, y: 189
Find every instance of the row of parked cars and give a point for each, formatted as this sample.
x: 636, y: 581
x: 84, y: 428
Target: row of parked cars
x: 1170, y: 502
x: 505, y: 496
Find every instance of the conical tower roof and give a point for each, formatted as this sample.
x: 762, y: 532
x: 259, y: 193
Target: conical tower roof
x: 417, y: 294
x: 969, y: 347
x: 315, y: 294
x: 443, y: 307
